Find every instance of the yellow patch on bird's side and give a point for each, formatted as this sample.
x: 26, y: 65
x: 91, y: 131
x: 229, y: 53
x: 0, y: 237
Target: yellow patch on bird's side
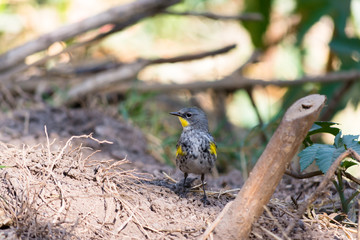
x: 179, y: 151
x: 213, y: 149
x: 183, y: 122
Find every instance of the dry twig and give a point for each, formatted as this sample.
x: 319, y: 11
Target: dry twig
x: 276, y: 222
x: 270, y: 233
x: 243, y: 17
x: 351, y: 177
x: 194, y: 56
x: 303, y: 175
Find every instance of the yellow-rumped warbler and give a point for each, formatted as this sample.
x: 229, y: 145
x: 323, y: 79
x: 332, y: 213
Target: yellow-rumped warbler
x: 196, y: 148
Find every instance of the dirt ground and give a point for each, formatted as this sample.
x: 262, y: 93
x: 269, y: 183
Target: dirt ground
x: 60, y: 182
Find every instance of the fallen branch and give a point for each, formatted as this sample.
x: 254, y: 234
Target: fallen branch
x: 234, y: 82
x: 268, y: 171
x: 8, y: 74
x: 105, y: 79
x: 109, y: 79
x: 118, y: 15
x: 243, y: 17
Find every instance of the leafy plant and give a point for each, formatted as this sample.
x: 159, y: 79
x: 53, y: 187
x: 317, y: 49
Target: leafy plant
x: 324, y: 155
x: 342, y: 46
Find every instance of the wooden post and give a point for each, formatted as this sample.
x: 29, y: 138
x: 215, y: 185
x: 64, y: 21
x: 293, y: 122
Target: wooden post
x: 248, y: 206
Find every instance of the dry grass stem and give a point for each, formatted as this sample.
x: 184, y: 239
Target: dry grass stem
x: 40, y: 203
x: 270, y: 233
x: 276, y: 222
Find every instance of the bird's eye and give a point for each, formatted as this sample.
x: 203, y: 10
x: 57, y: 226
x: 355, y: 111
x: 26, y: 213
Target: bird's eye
x: 188, y: 115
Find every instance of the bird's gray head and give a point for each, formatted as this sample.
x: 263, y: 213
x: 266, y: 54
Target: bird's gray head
x: 192, y: 118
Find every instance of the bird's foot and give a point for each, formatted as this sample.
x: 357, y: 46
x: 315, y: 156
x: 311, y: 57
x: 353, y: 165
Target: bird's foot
x: 182, y: 189
x: 205, y: 201
x: 188, y: 182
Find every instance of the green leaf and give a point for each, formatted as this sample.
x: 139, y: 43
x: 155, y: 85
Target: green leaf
x: 308, y: 155
x: 307, y: 141
x: 340, y: 13
x: 345, y: 45
x: 352, y: 197
x: 321, y: 127
x: 322, y: 124
x: 353, y: 95
x: 326, y: 155
x: 257, y: 29
x: 347, y: 50
x: 352, y: 141
x: 311, y: 11
x: 324, y: 127
x: 348, y: 163
x: 338, y: 141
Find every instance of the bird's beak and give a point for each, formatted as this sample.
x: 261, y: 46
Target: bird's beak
x: 176, y: 114
x: 180, y: 115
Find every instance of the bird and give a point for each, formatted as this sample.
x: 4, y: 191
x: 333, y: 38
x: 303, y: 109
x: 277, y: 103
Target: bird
x: 196, y: 150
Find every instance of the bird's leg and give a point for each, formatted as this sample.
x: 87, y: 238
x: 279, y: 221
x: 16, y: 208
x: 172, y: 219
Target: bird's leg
x: 204, y: 199
x: 185, y: 176
x: 181, y: 188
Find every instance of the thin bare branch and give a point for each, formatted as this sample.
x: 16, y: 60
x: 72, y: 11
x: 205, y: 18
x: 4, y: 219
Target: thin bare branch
x: 249, y: 92
x: 252, y: 59
x: 352, y: 178
x: 189, y: 57
x: 243, y: 17
x: 304, y: 175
